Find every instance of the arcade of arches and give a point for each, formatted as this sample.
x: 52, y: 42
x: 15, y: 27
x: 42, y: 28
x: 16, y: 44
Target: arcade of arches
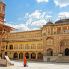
x: 33, y: 44
x: 64, y: 47
x: 32, y: 56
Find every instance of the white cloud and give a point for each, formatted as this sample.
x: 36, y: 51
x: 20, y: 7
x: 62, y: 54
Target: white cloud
x: 48, y: 16
x: 39, y: 1
x: 35, y: 14
x: 61, y: 3
x: 37, y: 18
x: 34, y: 21
x: 63, y: 15
x: 29, y: 21
x: 19, y: 27
x: 39, y: 23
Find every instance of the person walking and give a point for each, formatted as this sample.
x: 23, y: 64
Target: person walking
x: 25, y: 61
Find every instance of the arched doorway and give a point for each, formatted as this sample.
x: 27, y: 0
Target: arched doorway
x: 40, y: 56
x: 5, y: 53
x: 15, y: 56
x: 20, y: 55
x: 66, y: 52
x: 27, y: 55
x: 49, y: 52
x: 33, y: 56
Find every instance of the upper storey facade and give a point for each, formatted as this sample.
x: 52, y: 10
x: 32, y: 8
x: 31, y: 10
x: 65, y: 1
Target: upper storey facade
x: 59, y: 27
x: 26, y: 36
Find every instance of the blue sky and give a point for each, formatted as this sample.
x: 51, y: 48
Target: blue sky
x: 33, y: 14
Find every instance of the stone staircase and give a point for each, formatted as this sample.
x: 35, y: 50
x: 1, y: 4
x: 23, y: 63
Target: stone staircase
x: 64, y: 59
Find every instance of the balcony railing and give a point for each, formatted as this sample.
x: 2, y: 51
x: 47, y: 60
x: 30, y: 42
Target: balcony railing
x: 20, y: 39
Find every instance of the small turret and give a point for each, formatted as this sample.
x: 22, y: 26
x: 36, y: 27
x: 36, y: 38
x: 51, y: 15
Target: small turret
x: 2, y: 12
x: 49, y: 23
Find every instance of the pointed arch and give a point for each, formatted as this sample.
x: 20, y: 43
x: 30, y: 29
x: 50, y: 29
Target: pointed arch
x: 33, y: 55
x: 67, y: 52
x: 49, y: 52
x: 27, y: 55
x: 20, y: 55
x: 15, y: 56
x: 40, y: 56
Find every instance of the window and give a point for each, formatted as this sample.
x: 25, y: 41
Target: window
x: 15, y: 46
x: 26, y: 46
x: 64, y: 43
x: 20, y: 46
x: 58, y: 30
x: 49, y: 42
x: 11, y: 47
x: 6, y: 46
x: 65, y: 29
x: 33, y: 46
x: 39, y: 46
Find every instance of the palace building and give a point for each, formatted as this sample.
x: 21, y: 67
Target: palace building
x: 50, y: 43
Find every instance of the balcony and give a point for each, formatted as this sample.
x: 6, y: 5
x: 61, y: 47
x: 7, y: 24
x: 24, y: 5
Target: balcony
x: 21, y: 39
x: 66, y: 32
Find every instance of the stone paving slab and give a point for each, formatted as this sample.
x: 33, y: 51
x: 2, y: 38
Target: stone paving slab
x: 38, y: 65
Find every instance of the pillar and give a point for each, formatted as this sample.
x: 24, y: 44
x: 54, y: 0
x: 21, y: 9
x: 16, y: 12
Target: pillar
x: 18, y: 55
x: 30, y: 56
x: 36, y: 56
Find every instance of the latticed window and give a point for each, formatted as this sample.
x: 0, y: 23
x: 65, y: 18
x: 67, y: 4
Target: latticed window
x: 20, y: 46
x: 39, y: 46
x: 11, y: 47
x: 15, y: 46
x: 26, y: 46
x: 58, y: 30
x: 33, y: 46
x: 64, y: 43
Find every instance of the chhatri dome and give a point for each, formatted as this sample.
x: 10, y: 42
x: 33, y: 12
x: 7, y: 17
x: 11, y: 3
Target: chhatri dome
x: 49, y: 23
x: 62, y: 21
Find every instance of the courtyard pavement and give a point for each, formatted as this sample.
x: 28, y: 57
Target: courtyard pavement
x: 37, y: 65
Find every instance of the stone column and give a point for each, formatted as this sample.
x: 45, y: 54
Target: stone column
x: 18, y: 55
x: 36, y: 56
x: 30, y: 56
